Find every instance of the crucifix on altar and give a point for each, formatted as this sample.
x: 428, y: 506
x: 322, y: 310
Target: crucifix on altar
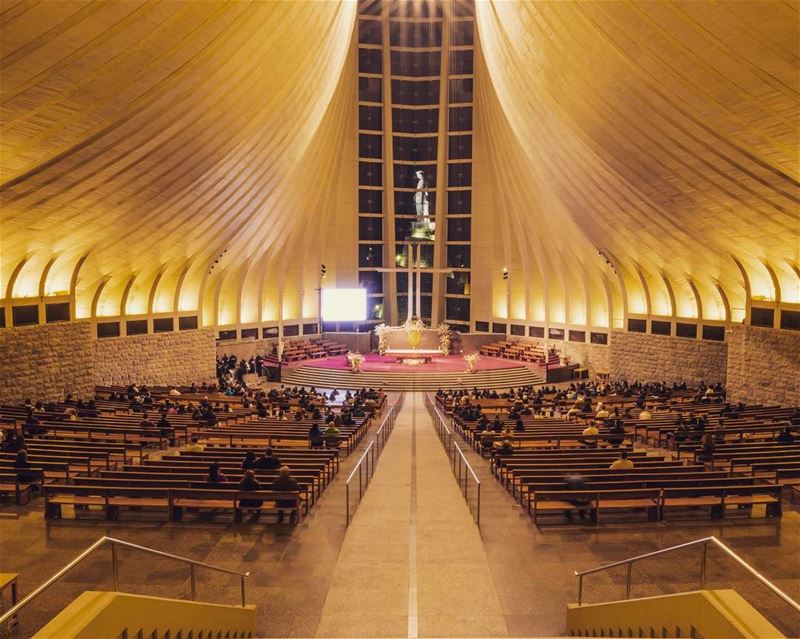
x: 415, y: 269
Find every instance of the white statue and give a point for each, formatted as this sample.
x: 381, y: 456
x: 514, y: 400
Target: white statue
x: 421, y: 198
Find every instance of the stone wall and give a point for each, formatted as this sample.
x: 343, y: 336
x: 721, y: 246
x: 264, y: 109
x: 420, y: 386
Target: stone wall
x: 158, y: 359
x: 46, y: 362
x: 595, y: 357
x: 245, y: 349
x: 764, y: 366
x: 643, y: 357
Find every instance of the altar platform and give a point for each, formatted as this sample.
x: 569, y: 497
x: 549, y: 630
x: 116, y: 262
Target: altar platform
x: 413, y: 356
x: 442, y: 371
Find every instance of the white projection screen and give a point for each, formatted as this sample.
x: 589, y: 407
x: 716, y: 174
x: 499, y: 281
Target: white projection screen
x: 344, y: 304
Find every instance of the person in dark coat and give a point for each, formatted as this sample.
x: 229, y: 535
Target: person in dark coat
x: 284, y: 483
x: 269, y: 461
x: 249, y: 483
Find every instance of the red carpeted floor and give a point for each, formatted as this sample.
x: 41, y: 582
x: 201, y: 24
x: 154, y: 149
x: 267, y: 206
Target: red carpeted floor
x: 441, y: 364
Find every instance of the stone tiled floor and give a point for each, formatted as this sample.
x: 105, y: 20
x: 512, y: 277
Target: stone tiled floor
x: 506, y: 579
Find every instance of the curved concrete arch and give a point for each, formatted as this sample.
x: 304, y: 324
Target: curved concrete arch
x: 748, y: 293
x: 151, y: 296
x: 725, y: 302
x: 776, y: 284
x: 44, y: 274
x: 697, y: 299
x: 96, y: 296
x: 12, y: 279
x: 123, y: 302
x: 671, y: 295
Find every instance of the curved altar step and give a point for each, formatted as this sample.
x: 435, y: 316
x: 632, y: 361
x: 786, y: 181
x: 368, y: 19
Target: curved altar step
x: 410, y: 381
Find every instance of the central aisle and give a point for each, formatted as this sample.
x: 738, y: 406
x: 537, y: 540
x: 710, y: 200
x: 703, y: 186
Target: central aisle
x: 412, y: 562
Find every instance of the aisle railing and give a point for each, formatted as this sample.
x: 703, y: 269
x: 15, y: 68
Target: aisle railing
x: 467, y: 480
x: 115, y: 544
x: 704, y: 542
x: 365, y: 467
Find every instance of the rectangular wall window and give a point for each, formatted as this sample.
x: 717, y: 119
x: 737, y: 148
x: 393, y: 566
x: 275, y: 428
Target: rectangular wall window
x: 187, y: 323
x: 136, y: 327
x: 25, y: 315
x: 56, y: 312
x: 107, y: 329
x: 686, y: 330
x: 163, y: 325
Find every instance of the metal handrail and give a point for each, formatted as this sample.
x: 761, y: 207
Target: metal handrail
x: 446, y: 436
x: 370, y: 454
x: 9, y: 614
x: 705, y: 541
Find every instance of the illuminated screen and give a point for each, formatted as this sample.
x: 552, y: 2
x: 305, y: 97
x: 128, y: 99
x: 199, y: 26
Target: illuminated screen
x: 344, y: 304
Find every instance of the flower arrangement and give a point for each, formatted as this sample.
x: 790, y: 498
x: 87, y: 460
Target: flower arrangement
x: 356, y: 360
x: 444, y: 338
x: 414, y: 325
x: 471, y: 359
x: 414, y: 330
x: 382, y: 331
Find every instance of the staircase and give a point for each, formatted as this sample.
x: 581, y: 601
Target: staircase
x: 413, y: 380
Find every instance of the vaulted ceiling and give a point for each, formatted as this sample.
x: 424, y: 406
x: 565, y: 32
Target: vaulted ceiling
x: 660, y: 135
x: 637, y: 157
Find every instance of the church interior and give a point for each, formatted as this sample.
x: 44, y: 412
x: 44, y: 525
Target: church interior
x: 399, y: 318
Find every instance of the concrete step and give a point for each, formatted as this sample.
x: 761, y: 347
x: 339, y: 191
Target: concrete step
x: 408, y: 381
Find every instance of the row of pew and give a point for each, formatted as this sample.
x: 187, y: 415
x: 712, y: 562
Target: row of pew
x: 522, y: 351
x: 748, y: 467
x: 109, y: 461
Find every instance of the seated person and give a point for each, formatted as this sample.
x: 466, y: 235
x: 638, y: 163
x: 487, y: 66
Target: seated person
x: 623, y: 463
x: 12, y: 442
x: 487, y: 439
x: 22, y: 465
x: 165, y: 427
x: 616, y: 433
x: 284, y: 482
x: 315, y: 437
x: 709, y: 446
x: 268, y: 461
x: 497, y: 424
x: 786, y: 436
x: 33, y: 425
x: 576, y: 482
x: 332, y: 436
x: 505, y: 449
x: 681, y: 433
x: 590, y: 430
x: 249, y: 460
x: 194, y: 446
x: 249, y: 483
x: 645, y: 414
x: 519, y: 426
x: 215, y: 475
x: 719, y: 431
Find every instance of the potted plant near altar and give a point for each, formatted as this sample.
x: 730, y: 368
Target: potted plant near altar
x: 382, y: 331
x: 471, y: 359
x: 444, y: 338
x: 355, y: 360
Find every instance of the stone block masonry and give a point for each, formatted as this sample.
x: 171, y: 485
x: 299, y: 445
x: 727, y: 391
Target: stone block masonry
x: 764, y: 366
x: 647, y: 358
x: 46, y: 362
x: 157, y: 359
